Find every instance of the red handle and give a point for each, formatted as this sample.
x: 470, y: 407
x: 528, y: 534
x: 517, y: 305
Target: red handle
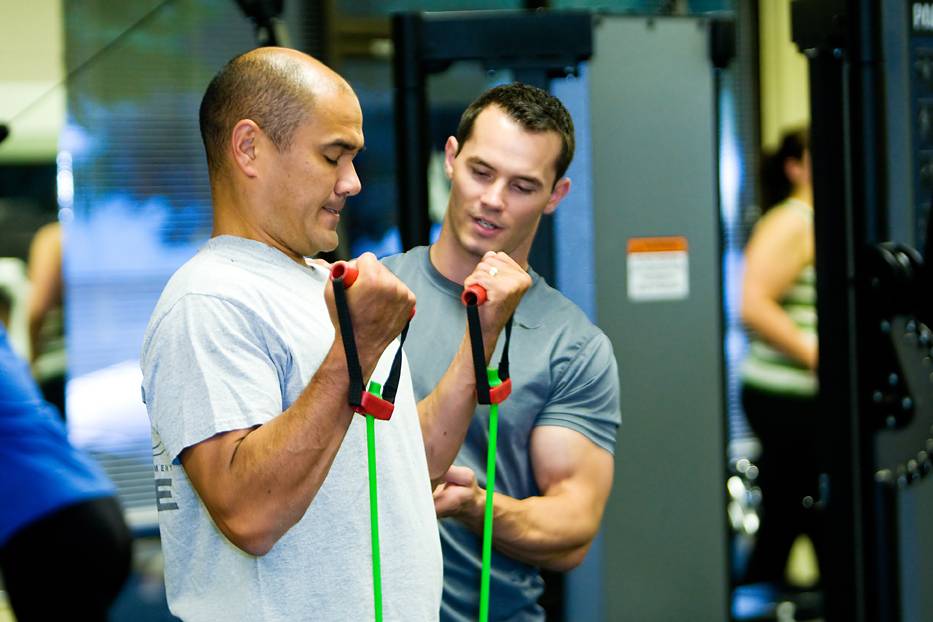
x: 375, y: 406
x: 473, y: 295
x: 343, y: 270
x: 500, y: 392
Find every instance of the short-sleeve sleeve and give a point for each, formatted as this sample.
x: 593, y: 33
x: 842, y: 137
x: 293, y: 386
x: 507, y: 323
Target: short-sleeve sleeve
x: 209, y: 367
x: 586, y: 394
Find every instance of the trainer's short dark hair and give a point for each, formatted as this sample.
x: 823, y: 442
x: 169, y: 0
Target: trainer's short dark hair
x: 533, y: 109
x: 269, y: 90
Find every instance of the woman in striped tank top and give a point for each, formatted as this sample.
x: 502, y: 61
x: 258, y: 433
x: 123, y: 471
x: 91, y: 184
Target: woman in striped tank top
x: 779, y: 382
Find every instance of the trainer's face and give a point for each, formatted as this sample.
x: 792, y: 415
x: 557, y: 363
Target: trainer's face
x: 502, y: 181
x: 308, y: 184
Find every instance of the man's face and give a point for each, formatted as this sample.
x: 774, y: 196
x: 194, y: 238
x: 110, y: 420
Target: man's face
x: 502, y: 181
x: 307, y: 185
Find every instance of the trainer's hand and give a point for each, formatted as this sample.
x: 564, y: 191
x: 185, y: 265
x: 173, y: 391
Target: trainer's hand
x: 380, y: 306
x: 458, y: 495
x: 505, y: 283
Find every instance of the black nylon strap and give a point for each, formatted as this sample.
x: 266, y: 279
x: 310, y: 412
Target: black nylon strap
x: 355, y: 397
x: 479, y: 354
x: 390, y: 388
x: 504, y: 361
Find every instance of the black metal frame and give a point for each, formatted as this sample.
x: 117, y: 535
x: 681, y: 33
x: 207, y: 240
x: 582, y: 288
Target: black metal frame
x: 535, y: 45
x: 833, y: 35
x: 874, y: 392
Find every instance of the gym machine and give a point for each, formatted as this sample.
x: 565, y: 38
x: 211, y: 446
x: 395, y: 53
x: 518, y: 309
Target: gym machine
x: 870, y: 83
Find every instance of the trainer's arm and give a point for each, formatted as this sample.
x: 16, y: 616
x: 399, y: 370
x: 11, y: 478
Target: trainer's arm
x: 555, y: 529
x: 446, y: 412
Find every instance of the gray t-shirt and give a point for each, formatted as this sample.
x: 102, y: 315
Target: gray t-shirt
x: 563, y: 374
x: 236, y: 336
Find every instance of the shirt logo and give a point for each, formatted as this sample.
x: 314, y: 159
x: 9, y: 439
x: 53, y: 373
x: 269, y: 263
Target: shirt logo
x: 163, y: 484
x: 164, y: 501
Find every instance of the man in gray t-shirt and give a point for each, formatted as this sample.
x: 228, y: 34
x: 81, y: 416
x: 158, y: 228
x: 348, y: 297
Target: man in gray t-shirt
x: 557, y: 430
x: 260, y: 463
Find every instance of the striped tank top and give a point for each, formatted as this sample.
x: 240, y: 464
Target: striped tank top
x: 768, y: 369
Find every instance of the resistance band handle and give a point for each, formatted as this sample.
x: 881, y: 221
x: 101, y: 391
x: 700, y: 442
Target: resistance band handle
x: 501, y: 392
x: 473, y: 295
x: 362, y: 402
x: 341, y: 270
x: 367, y: 403
x: 375, y: 406
x: 486, y: 392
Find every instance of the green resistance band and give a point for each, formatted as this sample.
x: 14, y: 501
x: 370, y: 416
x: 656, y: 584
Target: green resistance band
x: 376, y: 389
x: 370, y: 403
x: 494, y: 381
x: 492, y: 387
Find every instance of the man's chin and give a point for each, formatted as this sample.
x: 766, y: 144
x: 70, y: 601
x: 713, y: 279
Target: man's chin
x: 481, y: 247
x: 330, y: 244
x: 320, y: 244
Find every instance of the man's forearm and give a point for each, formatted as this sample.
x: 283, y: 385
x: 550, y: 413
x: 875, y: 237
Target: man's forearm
x: 552, y: 532
x: 446, y: 412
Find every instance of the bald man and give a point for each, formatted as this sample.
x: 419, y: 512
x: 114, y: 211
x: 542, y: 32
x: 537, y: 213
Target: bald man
x: 260, y: 464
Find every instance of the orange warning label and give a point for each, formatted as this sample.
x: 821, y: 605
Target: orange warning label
x: 657, y: 245
x: 658, y: 269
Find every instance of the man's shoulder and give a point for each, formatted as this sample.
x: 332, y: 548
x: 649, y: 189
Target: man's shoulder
x: 209, y: 274
x: 404, y: 261
x: 556, y: 310
x: 206, y: 275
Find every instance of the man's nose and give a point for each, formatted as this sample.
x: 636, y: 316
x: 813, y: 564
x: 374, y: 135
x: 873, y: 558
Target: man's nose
x: 493, y: 195
x: 348, y: 184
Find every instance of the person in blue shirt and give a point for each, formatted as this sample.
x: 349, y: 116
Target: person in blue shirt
x: 65, y: 549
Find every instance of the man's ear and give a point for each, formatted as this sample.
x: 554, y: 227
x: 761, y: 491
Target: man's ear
x: 244, y: 146
x: 450, y: 154
x: 561, y: 188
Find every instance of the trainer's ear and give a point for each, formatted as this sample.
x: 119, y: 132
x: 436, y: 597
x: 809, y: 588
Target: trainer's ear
x: 451, y: 148
x: 560, y: 190
x: 244, y: 146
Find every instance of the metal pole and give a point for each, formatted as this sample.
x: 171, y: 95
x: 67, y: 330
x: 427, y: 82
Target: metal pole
x: 411, y: 139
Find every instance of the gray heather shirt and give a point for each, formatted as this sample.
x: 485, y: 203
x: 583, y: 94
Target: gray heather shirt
x: 563, y: 374
x: 237, y: 334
